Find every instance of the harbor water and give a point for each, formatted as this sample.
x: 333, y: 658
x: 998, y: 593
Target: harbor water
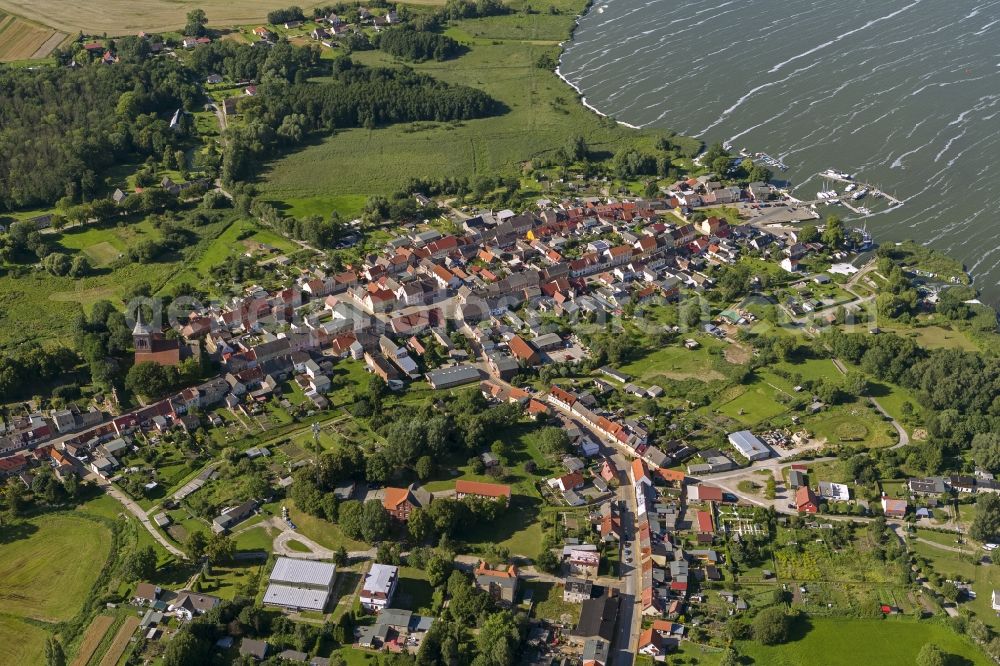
x: 905, y: 94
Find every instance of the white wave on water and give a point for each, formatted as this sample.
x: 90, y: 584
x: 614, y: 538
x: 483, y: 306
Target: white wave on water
x: 982, y: 31
x: 844, y: 35
x: 754, y: 91
x: 947, y: 145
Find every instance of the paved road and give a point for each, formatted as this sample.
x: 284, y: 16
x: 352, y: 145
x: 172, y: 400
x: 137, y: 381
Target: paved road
x: 139, y: 513
x: 317, y: 552
x: 629, y: 617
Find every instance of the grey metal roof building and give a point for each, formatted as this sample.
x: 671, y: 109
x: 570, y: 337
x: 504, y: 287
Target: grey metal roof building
x: 748, y: 446
x: 300, y: 584
x: 454, y: 376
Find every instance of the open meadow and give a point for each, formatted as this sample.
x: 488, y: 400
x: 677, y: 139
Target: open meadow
x: 542, y: 115
x: 47, y: 567
x: 845, y: 642
x: 28, y: 586
x: 952, y: 565
x: 20, y: 642
x: 38, y: 306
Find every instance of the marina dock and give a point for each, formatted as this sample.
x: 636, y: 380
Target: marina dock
x: 873, y: 190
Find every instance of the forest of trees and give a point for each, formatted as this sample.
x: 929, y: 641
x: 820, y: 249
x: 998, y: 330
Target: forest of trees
x: 50, y: 149
x: 23, y: 368
x: 405, y: 42
x: 241, y: 62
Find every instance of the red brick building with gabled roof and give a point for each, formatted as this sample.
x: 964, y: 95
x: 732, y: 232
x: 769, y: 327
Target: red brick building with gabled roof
x: 523, y: 351
x: 400, y: 503
x: 805, y: 500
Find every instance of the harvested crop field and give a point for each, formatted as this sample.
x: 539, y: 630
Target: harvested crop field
x: 117, y: 649
x: 21, y: 39
x: 92, y: 639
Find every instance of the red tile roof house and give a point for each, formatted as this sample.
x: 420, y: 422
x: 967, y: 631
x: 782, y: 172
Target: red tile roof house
x: 569, y: 482
x: 400, y: 502
x: 501, y: 584
x: 893, y: 508
x: 608, y: 471
x: 640, y: 473
x: 673, y: 477
x: 704, y: 521
x: 702, y: 493
x: 805, y: 500
x: 651, y: 643
x: 465, y: 488
x: 536, y: 408
x: 563, y: 399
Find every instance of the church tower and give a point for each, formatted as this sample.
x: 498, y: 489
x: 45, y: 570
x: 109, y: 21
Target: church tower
x: 142, y: 334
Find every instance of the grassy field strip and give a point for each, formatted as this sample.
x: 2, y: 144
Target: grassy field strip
x: 118, y: 646
x: 92, y: 639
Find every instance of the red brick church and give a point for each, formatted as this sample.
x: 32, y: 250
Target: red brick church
x: 151, y: 345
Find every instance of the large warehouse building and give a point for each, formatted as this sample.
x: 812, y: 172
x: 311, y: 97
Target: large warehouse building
x: 300, y: 584
x: 748, y: 446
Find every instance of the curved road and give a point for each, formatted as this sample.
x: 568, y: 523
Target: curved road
x: 143, y: 517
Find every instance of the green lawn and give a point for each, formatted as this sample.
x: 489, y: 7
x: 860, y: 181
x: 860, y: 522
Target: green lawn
x: 41, y: 307
x: 356, y: 657
x: 414, y: 591
x: 676, y: 362
x: 102, y: 244
x: 812, y: 369
x: 935, y: 337
x: 853, y: 423
x: 298, y: 546
x: 322, y: 532
x: 755, y: 404
x: 847, y: 642
x: 984, y: 578
x: 896, y: 489
x: 33, y: 551
x: 256, y: 538
x: 892, y: 398
x: 225, y: 582
x: 230, y: 243
x: 549, y: 603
